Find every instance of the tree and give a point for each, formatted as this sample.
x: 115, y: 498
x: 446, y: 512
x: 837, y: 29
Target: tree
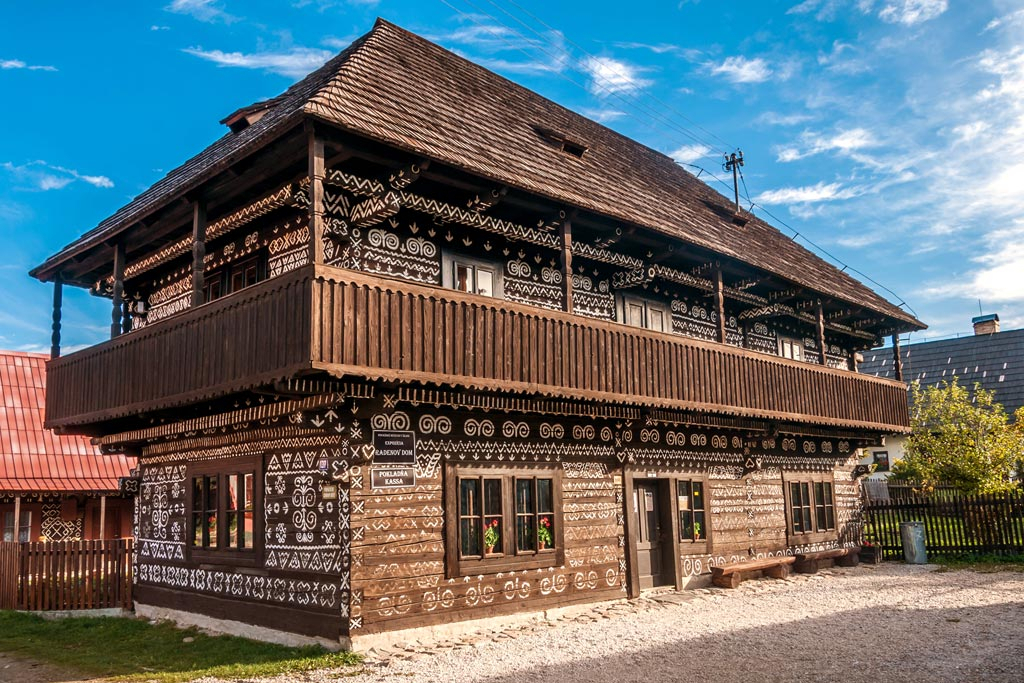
x: 962, y: 438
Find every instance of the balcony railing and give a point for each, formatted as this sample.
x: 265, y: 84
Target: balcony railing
x: 350, y: 324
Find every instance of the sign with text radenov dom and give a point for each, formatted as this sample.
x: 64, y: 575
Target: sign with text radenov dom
x: 392, y: 447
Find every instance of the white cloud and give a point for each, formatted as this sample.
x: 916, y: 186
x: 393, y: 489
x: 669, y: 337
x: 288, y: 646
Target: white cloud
x: 999, y: 275
x: 1005, y: 20
x: 610, y: 76
x: 771, y: 118
x: 19, y: 64
x: 154, y: 27
x: 546, y: 54
x: 208, y: 11
x: 969, y: 131
x: 602, y: 115
x: 910, y: 12
x: 39, y: 175
x: 688, y: 154
x: 658, y: 49
x: 843, y: 142
x: 739, y: 69
x: 821, y: 192
x: 295, y: 62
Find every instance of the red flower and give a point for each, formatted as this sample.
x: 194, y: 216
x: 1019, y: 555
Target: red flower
x: 494, y: 523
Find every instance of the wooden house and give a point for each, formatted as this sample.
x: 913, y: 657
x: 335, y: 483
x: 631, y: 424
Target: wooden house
x: 52, y: 487
x: 411, y: 345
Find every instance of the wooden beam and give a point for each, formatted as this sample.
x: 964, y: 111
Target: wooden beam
x: 566, y: 240
x: 720, y: 304
x: 17, y: 520
x: 198, y: 250
x: 115, y: 314
x: 315, y: 146
x: 821, y: 334
x: 58, y: 302
x: 103, y: 517
x: 897, y: 359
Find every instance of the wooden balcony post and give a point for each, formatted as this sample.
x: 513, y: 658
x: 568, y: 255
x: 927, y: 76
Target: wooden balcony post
x: 316, y: 195
x: 58, y: 302
x: 198, y: 250
x: 17, y: 520
x: 897, y: 359
x: 116, y: 312
x: 567, y: 264
x: 720, y: 304
x: 103, y: 517
x: 821, y: 334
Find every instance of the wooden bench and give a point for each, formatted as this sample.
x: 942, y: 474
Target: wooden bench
x: 810, y: 563
x: 730, y: 575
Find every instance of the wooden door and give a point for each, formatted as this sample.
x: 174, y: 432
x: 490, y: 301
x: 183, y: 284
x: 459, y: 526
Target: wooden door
x: 649, y: 541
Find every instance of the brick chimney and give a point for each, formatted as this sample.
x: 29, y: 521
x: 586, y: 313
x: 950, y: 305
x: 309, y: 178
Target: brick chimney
x: 986, y: 324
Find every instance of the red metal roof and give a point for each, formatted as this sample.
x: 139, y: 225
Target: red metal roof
x: 35, y: 459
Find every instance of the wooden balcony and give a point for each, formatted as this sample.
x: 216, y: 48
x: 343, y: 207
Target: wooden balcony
x: 350, y: 324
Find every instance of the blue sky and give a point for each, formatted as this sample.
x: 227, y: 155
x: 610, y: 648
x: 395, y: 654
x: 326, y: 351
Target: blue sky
x: 888, y: 132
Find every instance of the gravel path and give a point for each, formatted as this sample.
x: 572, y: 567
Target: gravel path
x: 891, y: 622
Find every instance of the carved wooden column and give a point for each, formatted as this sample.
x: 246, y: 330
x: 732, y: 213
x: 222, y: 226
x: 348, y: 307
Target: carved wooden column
x: 58, y: 302
x: 316, y: 195
x: 116, y: 313
x: 720, y: 304
x: 897, y: 359
x: 198, y: 251
x: 567, y: 265
x: 821, y: 334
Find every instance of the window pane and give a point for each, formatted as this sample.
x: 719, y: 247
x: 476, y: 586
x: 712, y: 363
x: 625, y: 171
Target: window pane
x: 248, y: 537
x: 830, y: 513
x: 237, y: 280
x: 248, y: 492
x: 233, y: 491
x: 524, y: 496
x: 211, y: 510
x: 634, y: 314
x: 685, y: 524
x: 698, y: 495
x: 197, y: 494
x: 469, y: 497
x: 197, y: 529
x: 794, y: 504
x: 797, y: 352
x: 545, y: 500
x: 526, y: 533
x: 484, y: 282
x: 463, y: 278
x: 470, y: 532
x: 492, y: 497
x: 656, y: 319
x: 699, y: 530
x: 8, y: 526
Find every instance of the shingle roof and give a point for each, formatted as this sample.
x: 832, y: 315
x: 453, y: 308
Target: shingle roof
x: 996, y: 361
x: 398, y: 88
x: 34, y: 459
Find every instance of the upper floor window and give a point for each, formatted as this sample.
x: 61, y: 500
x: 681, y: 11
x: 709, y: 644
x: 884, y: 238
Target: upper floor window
x: 791, y: 348
x: 652, y: 315
x: 232, y: 278
x: 474, y: 276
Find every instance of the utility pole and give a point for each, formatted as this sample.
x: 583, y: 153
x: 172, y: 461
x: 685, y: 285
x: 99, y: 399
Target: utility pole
x: 732, y: 163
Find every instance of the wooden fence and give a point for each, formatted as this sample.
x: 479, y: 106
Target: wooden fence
x: 955, y: 524
x: 66, y: 575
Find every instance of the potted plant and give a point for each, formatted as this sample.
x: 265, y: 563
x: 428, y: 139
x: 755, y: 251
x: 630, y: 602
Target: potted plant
x: 544, y: 534
x: 491, y: 537
x: 696, y: 531
x: 870, y: 553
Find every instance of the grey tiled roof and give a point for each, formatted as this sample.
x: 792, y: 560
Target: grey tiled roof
x: 996, y: 361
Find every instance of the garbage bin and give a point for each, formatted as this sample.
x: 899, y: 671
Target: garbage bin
x: 912, y: 535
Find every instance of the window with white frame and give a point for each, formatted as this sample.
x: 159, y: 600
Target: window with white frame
x: 790, y: 347
x: 472, y: 275
x: 652, y: 315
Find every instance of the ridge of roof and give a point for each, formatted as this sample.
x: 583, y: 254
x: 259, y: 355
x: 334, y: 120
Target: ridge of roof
x: 366, y: 89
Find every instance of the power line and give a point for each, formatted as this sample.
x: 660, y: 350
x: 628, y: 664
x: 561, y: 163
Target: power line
x: 651, y: 113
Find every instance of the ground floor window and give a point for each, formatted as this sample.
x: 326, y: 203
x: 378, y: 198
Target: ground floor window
x: 693, y: 526
x: 503, y: 518
x: 224, y: 496
x: 810, y: 508
x: 24, y: 526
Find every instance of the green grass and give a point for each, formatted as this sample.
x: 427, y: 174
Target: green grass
x: 980, y: 563
x: 134, y: 650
